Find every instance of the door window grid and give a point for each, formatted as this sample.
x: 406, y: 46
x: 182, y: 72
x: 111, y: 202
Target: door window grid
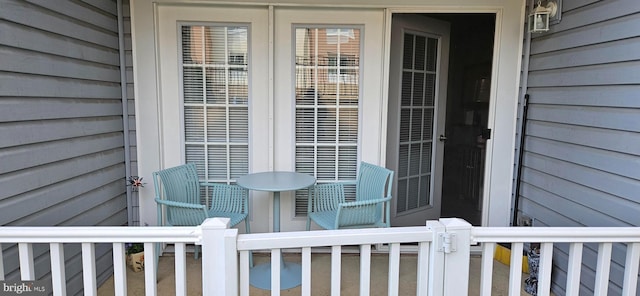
x: 327, y: 65
x: 215, y: 92
x: 416, y: 121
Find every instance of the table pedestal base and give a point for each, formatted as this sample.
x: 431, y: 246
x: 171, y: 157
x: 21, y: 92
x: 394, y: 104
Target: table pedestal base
x: 290, y: 275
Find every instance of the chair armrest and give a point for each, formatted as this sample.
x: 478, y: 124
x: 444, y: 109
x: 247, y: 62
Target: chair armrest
x: 364, y: 202
x: 337, y: 183
x: 180, y: 204
x: 364, y: 213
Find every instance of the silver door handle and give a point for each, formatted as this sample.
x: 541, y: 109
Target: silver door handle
x: 443, y: 138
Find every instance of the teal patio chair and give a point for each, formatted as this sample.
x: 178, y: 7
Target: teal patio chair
x: 328, y: 208
x: 180, y: 201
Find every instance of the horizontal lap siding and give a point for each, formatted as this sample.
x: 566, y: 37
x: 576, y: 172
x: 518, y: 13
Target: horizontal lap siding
x: 61, y: 129
x: 581, y: 165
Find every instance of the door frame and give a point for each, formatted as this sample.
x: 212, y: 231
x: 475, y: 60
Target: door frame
x: 502, y: 118
x: 498, y: 172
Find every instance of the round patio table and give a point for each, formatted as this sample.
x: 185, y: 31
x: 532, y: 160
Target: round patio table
x: 276, y: 182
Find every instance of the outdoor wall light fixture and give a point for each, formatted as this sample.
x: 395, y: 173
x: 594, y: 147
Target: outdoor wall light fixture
x: 539, y: 19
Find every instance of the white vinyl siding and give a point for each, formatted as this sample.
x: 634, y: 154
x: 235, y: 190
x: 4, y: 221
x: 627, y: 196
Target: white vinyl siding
x: 62, y: 154
x: 216, y: 105
x: 327, y: 94
x: 582, y: 138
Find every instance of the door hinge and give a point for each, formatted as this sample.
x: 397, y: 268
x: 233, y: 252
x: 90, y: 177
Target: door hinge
x: 447, y: 242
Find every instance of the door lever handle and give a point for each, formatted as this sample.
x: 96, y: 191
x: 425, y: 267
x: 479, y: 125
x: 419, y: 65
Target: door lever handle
x: 442, y: 138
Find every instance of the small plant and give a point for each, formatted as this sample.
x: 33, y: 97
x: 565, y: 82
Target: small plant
x: 132, y: 248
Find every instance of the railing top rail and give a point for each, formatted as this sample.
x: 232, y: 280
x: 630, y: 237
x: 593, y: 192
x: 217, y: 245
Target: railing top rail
x: 555, y: 234
x: 299, y: 239
x: 99, y: 234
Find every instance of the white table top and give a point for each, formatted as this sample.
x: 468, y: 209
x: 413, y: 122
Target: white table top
x: 276, y: 181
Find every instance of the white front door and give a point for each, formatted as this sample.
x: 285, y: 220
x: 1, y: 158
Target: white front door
x: 213, y: 85
x: 417, y: 102
x: 225, y: 108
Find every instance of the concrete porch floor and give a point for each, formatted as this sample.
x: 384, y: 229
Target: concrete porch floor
x: 320, y: 281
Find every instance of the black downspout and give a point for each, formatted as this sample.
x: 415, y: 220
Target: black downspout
x: 523, y: 130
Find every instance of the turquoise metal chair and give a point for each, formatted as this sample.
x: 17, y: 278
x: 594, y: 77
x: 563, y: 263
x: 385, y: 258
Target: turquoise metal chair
x: 181, y: 201
x: 328, y: 208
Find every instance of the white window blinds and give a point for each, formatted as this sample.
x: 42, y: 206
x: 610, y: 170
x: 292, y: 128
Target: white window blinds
x: 215, y: 91
x: 327, y: 94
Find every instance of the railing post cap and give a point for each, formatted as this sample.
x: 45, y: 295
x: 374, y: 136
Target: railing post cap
x: 216, y: 223
x: 455, y: 223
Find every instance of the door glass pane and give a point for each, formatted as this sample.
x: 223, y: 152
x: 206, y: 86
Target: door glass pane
x: 416, y: 121
x: 216, y: 100
x: 327, y: 94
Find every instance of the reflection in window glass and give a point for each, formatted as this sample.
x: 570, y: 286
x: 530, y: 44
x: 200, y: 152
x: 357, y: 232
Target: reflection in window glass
x: 327, y: 93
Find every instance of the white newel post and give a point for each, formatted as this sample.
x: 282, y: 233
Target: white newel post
x: 219, y: 258
x: 457, y: 250
x: 435, y: 281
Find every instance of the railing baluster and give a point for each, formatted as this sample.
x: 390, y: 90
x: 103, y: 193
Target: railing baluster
x: 150, y: 268
x: 394, y: 269
x: 544, y: 269
x: 573, y: 269
x: 630, y: 283
x: 181, y: 268
x: 336, y: 260
x: 423, y: 270
x: 515, y: 270
x: 486, y: 267
x: 365, y: 269
x: 119, y: 270
x: 1, y: 264
x: 56, y: 251
x: 306, y: 271
x: 244, y: 273
x: 27, y: 271
x: 276, y: 259
x: 89, y: 269
x: 603, y: 269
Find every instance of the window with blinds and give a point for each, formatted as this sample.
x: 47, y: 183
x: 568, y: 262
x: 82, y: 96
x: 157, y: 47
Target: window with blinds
x: 327, y: 93
x: 417, y: 98
x: 215, y: 91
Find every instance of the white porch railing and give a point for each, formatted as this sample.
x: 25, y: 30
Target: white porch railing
x: 442, y: 269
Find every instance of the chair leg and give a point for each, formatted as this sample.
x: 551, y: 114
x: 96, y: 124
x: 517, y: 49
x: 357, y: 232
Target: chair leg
x: 308, y: 222
x: 196, y: 252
